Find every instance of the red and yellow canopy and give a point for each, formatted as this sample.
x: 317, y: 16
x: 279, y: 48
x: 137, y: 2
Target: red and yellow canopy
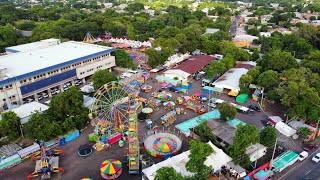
x: 110, y: 166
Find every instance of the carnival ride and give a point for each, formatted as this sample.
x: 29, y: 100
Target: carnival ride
x: 194, y: 104
x: 162, y: 144
x: 47, y: 164
x: 109, y: 114
x: 111, y: 169
x: 168, y: 118
x: 88, y: 38
x: 85, y: 150
x: 133, y: 139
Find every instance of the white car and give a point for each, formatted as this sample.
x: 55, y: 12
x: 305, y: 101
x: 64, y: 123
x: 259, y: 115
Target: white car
x: 213, y: 105
x: 77, y: 83
x: 303, y: 155
x: 44, y: 95
x: 125, y: 75
x: 316, y: 158
x: 39, y: 98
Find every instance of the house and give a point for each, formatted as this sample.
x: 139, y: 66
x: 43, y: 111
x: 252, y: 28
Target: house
x: 244, y: 38
x: 265, y: 34
x: 256, y: 151
x: 223, y: 131
x: 216, y: 160
x: 211, y: 31
x: 295, y: 21
x: 315, y: 22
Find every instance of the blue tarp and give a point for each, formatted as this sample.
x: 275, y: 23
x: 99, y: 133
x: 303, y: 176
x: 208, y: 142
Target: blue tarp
x: 62, y: 141
x: 136, y: 83
x: 71, y: 136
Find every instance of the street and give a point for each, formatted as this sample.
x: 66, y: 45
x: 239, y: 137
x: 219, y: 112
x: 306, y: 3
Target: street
x: 234, y: 25
x: 301, y: 169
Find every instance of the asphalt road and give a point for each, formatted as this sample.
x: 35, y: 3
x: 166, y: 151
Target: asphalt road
x: 233, y: 29
x: 301, y: 169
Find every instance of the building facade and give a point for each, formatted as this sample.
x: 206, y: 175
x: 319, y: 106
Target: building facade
x: 46, y: 66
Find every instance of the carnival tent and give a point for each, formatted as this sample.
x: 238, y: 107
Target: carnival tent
x: 242, y: 98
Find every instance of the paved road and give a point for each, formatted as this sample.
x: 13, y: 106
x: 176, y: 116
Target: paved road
x: 233, y: 29
x: 301, y: 169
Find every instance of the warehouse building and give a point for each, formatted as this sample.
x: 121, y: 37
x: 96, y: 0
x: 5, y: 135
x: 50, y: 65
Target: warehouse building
x: 46, y: 67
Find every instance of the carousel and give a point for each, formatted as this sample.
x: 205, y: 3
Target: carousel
x: 111, y: 169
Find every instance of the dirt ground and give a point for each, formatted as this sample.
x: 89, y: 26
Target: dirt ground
x: 77, y: 167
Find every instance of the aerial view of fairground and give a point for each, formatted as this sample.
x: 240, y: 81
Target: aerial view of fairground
x: 159, y: 90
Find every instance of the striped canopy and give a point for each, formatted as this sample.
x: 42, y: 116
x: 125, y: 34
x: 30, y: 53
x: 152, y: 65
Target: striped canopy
x: 110, y: 166
x: 164, y: 146
x: 146, y: 87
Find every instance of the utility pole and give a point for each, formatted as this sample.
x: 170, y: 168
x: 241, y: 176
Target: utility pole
x: 262, y: 98
x: 316, y: 133
x: 274, y: 150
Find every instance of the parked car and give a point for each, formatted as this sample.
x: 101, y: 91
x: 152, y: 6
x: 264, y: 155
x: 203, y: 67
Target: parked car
x: 55, y: 91
x: 29, y: 100
x: 39, y: 98
x: 44, y: 95
x: 316, y: 158
x: 256, y: 108
x: 309, y: 147
x: 251, y: 112
x: 77, y: 84
x: 303, y: 155
x: 212, y: 105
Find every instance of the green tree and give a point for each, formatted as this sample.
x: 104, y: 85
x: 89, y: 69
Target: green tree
x: 205, y: 133
x: 215, y: 68
x: 168, y: 173
x: 255, y: 56
x: 154, y: 57
x: 278, y: 61
x: 123, y: 59
x: 227, y: 111
x: 41, y: 126
x: 268, y: 79
x: 8, y: 37
x: 304, y: 132
x: 245, y: 81
x: 246, y: 135
x: 255, y: 72
x: 101, y: 77
x: 135, y: 7
x: 268, y: 136
x: 10, y: 125
x: 199, y: 152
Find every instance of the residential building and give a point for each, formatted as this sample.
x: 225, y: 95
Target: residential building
x: 46, y: 67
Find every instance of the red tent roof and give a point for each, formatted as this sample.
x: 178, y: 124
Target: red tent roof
x: 195, y: 63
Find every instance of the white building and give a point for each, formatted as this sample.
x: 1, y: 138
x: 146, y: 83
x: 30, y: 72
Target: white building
x: 265, y: 34
x: 256, y: 151
x: 216, y: 160
x: 48, y: 65
x: 230, y: 79
x: 315, y: 23
x: 181, y: 75
x: 24, y: 111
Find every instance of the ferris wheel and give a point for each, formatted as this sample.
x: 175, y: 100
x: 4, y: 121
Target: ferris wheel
x: 111, y: 105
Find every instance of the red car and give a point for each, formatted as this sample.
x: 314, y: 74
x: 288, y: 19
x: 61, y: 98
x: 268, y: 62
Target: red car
x: 149, y: 68
x: 309, y: 147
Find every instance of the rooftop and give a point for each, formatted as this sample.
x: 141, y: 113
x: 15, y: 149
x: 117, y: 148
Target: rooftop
x: 32, y: 46
x: 222, y: 130
x: 195, y: 63
x: 253, y: 148
x: 26, y: 110
x: 217, y: 159
x: 230, y: 79
x: 25, y: 64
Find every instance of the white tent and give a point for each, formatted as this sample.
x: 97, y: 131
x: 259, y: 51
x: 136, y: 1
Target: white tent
x: 216, y: 160
x: 285, y: 129
x: 230, y: 79
x: 24, y: 111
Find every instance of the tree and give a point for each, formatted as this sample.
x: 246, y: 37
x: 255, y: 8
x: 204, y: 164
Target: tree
x: 278, y: 61
x: 167, y: 173
x: 154, y: 58
x: 101, y: 77
x: 205, y: 133
x: 214, y: 68
x: 199, y: 152
x: 268, y: 79
x: 255, y: 56
x: 264, y: 28
x: 8, y: 37
x: 245, y: 81
x: 268, y: 136
x: 298, y: 91
x: 135, y: 7
x: 123, y: 59
x: 304, y: 132
x: 227, y: 111
x: 255, y: 72
x: 10, y: 125
x: 246, y: 135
